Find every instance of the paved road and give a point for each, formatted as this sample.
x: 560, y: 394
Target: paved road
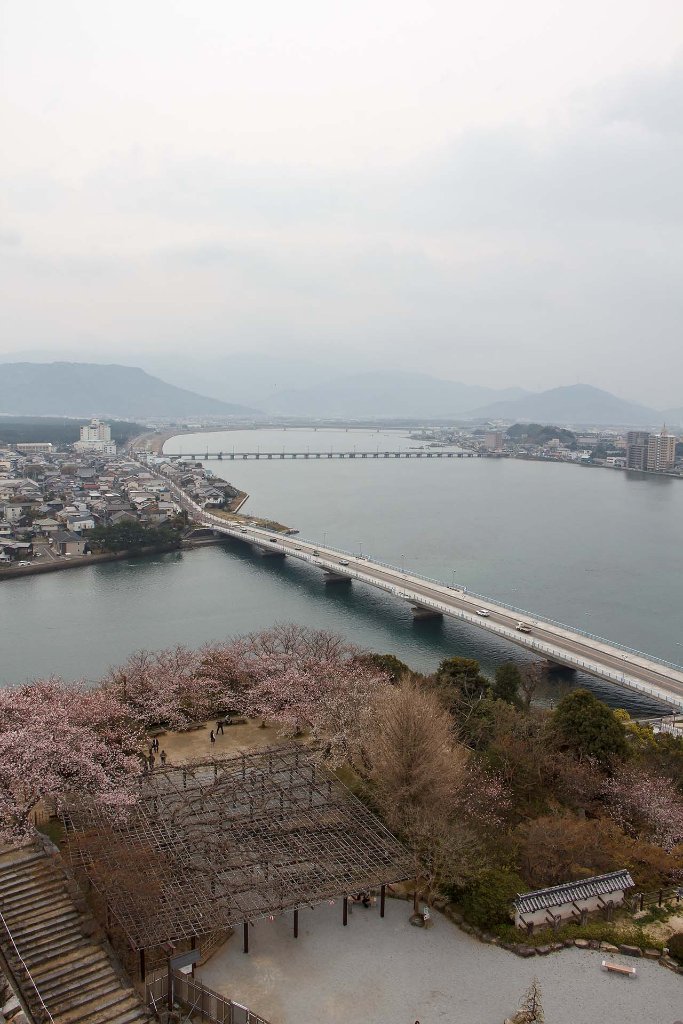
x: 560, y: 644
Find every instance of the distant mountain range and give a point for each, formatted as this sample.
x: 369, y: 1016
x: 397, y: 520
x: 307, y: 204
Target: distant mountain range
x: 386, y: 394
x: 673, y: 417
x: 393, y: 394
x: 91, y: 389
x: 575, y: 405
x: 126, y: 392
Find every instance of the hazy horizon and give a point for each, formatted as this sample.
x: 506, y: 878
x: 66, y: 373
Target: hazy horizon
x: 489, y: 196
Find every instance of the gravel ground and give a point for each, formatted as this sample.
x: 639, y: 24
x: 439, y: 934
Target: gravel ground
x: 387, y: 972
x: 184, y: 746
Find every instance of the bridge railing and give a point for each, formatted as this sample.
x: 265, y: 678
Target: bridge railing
x: 520, y: 612
x: 540, y: 646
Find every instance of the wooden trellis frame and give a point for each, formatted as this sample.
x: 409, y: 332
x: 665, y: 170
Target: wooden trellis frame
x: 226, y: 840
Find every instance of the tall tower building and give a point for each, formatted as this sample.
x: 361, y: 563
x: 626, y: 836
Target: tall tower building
x: 96, y: 437
x: 96, y: 431
x: 661, y: 451
x: 637, y: 442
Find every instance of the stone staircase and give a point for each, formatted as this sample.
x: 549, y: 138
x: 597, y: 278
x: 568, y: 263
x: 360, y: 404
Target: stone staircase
x: 63, y: 972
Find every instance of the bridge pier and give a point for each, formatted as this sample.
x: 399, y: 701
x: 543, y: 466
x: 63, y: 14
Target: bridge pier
x: 421, y: 612
x: 556, y: 668
x: 335, y: 577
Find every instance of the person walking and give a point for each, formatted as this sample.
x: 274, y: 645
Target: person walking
x: 151, y: 760
x: 212, y: 737
x: 162, y: 756
x: 219, y: 727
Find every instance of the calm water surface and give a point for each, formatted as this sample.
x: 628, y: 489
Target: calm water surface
x: 597, y: 549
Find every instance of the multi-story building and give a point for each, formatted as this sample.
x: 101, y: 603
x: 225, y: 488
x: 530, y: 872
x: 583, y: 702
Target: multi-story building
x: 34, y: 447
x: 636, y: 449
x: 96, y: 437
x: 493, y: 440
x: 653, y: 452
x: 661, y: 451
x: 96, y: 431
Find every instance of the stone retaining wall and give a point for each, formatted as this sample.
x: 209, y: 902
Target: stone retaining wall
x: 520, y: 949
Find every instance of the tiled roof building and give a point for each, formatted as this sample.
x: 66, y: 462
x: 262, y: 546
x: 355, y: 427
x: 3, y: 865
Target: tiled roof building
x: 571, y: 899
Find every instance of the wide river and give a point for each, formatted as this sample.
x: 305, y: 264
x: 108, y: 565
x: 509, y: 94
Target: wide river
x: 594, y: 548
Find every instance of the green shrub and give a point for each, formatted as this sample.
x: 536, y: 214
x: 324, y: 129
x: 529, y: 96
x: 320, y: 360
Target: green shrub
x: 488, y: 900
x: 675, y: 945
x: 601, y: 931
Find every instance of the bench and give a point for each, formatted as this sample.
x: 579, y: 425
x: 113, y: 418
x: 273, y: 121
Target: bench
x: 619, y: 968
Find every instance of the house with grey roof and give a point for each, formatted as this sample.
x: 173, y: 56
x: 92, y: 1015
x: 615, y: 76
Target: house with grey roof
x: 66, y: 543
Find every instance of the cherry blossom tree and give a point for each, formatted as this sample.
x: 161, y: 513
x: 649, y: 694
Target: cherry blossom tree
x: 56, y: 739
x: 165, y: 688
x: 302, y: 679
x: 646, y: 806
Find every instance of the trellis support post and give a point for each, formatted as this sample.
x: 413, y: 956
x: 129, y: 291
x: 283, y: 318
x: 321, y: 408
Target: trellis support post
x: 169, y: 983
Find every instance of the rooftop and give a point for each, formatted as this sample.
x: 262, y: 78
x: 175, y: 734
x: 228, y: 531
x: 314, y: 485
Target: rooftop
x: 568, y: 892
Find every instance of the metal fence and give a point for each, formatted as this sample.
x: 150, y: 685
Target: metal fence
x: 197, y: 1001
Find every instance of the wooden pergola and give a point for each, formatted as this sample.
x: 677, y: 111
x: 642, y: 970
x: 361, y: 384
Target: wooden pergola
x: 223, y: 841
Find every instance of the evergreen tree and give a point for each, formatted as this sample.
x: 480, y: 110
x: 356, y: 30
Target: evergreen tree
x: 463, y: 675
x: 507, y: 682
x: 588, y: 727
x: 388, y: 663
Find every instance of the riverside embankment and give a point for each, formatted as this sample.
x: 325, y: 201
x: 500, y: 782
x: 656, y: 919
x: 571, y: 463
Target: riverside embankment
x: 536, y: 536
x: 79, y: 561
x: 82, y: 561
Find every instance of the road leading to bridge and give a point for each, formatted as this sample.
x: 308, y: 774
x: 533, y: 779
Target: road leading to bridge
x: 554, y: 641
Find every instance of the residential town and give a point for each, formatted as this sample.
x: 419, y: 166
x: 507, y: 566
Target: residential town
x: 53, y: 503
x: 639, y: 450
x: 62, y: 503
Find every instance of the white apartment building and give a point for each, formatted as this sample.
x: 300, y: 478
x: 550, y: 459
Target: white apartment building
x: 661, y: 451
x: 96, y: 437
x: 34, y: 447
x: 96, y: 431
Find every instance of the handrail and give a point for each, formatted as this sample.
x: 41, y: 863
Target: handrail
x: 25, y: 966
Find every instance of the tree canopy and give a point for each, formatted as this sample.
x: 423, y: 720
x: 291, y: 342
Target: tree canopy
x: 463, y: 675
x: 130, y: 535
x: 507, y: 682
x: 589, y: 727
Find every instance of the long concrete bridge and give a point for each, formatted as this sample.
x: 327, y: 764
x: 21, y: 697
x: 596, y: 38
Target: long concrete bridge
x: 233, y: 456
x: 554, y: 641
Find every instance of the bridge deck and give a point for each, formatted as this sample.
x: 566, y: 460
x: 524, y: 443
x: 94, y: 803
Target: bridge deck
x: 401, y: 454
x: 565, y: 645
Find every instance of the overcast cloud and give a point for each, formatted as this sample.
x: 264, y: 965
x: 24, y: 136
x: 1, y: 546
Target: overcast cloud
x: 491, y: 195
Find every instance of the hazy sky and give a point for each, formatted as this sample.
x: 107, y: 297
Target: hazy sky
x: 490, y: 192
